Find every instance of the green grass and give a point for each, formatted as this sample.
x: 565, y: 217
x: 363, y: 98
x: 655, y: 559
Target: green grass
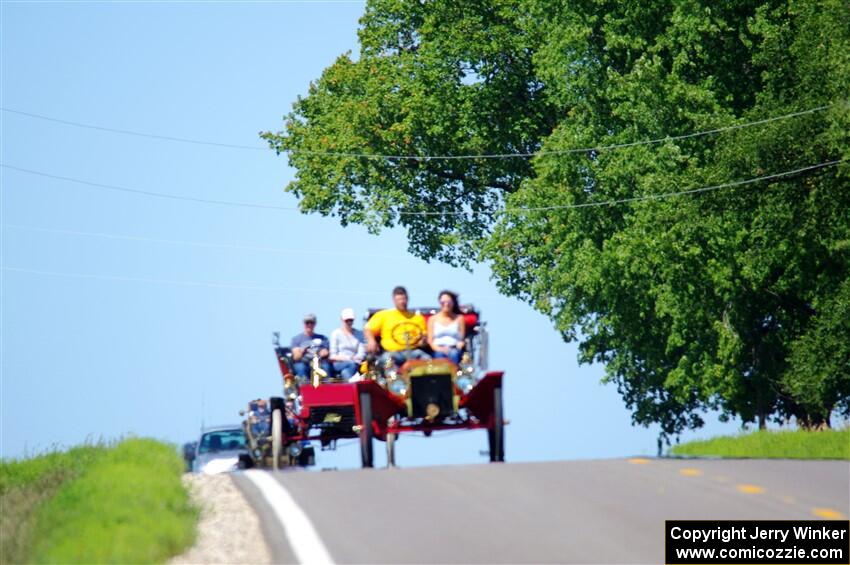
x: 26, y: 484
x: 827, y: 444
x: 118, y: 504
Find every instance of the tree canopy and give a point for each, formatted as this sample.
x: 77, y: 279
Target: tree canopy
x: 510, y: 132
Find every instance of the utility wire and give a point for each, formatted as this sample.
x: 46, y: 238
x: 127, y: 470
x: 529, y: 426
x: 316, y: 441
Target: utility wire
x: 680, y: 193
x: 192, y: 283
x: 206, y: 284
x: 199, y: 243
x: 598, y: 148
x: 450, y: 212
x: 149, y: 192
x: 131, y: 132
x: 184, y: 2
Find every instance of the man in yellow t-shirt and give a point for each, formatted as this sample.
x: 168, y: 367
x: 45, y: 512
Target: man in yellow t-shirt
x: 401, y: 331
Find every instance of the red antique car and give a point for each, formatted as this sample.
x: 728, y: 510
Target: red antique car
x: 421, y: 396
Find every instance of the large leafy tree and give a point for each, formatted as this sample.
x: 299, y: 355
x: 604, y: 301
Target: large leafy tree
x: 433, y: 78
x: 728, y: 299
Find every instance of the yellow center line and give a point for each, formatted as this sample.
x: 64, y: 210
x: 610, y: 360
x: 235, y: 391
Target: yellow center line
x: 828, y: 513
x: 690, y: 472
x: 750, y: 489
x: 638, y: 460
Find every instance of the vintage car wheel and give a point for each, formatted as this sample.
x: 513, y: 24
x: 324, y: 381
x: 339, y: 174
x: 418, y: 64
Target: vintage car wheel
x: 390, y: 449
x: 366, y: 431
x: 277, y: 437
x: 496, y: 434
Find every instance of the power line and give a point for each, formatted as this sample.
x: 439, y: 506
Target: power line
x: 680, y: 193
x: 597, y: 148
x: 452, y: 213
x: 237, y: 2
x: 191, y: 283
x: 232, y: 246
x: 149, y: 192
x: 131, y: 132
x: 206, y: 284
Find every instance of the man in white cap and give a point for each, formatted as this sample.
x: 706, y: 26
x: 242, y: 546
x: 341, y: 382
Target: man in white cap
x: 348, y: 348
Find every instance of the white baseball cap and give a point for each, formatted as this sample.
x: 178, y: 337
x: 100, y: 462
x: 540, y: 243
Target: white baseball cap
x: 347, y: 314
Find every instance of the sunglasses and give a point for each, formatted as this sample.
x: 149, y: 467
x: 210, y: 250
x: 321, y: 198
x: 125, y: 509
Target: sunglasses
x: 309, y: 323
x: 444, y: 302
x: 349, y: 320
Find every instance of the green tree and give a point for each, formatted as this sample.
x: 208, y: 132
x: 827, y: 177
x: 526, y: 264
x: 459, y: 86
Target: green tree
x: 721, y: 299
x: 433, y: 78
x: 819, y: 374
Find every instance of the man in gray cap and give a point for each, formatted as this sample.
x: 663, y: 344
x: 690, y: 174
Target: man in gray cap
x: 307, y: 345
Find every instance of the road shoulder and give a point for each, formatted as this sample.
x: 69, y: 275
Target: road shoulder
x: 229, y: 530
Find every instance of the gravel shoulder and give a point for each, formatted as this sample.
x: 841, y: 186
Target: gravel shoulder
x: 229, y: 530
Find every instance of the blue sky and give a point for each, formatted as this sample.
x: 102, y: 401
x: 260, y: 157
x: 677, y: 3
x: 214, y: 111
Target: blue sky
x: 129, y: 314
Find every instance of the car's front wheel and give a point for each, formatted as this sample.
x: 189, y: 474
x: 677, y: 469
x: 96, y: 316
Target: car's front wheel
x: 391, y: 437
x: 277, y: 437
x: 366, y: 431
x: 496, y: 433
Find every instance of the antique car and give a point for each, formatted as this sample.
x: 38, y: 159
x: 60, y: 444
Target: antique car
x: 420, y: 396
x: 430, y: 395
x: 266, y: 446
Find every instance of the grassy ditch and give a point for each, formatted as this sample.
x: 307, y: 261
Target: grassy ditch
x: 122, y: 504
x: 25, y: 485
x: 799, y: 444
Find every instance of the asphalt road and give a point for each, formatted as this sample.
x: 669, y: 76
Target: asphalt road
x: 603, y: 511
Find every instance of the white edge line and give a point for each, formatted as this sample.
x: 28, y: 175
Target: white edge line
x: 300, y: 533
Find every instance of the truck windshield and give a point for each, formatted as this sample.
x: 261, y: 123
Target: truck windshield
x: 222, y: 439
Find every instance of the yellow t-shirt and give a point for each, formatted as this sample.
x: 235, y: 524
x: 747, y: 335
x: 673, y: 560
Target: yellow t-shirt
x: 397, y: 329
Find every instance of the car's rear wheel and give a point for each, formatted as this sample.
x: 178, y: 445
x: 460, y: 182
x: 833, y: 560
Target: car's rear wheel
x: 390, y: 449
x: 496, y: 433
x: 277, y: 437
x: 366, y: 431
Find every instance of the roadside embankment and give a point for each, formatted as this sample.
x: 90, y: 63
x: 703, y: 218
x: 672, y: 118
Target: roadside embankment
x: 229, y: 530
x: 120, y: 503
x: 798, y: 444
